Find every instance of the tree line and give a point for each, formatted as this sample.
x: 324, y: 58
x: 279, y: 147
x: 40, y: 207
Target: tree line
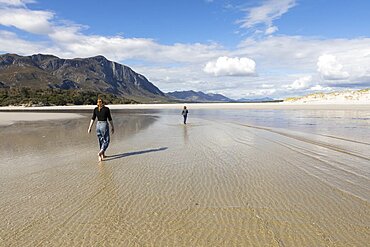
x: 55, y: 96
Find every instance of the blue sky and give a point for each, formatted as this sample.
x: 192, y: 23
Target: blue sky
x: 276, y: 48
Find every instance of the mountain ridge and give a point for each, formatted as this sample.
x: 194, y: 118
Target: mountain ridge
x: 199, y: 96
x: 93, y: 73
x: 255, y: 100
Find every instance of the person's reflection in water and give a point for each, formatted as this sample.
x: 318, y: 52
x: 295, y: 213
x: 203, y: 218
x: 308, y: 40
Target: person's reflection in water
x: 186, y: 135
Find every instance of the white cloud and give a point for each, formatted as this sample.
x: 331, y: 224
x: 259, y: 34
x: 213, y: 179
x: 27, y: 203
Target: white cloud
x: 72, y: 44
x: 267, y: 85
x: 227, y: 66
x: 33, y: 21
x: 266, y: 13
x: 18, y: 3
x: 330, y: 68
x: 271, y: 30
x: 301, y: 83
x: 320, y: 88
x: 9, y: 42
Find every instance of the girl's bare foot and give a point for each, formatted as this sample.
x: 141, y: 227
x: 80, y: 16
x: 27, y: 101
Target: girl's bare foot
x: 101, y: 155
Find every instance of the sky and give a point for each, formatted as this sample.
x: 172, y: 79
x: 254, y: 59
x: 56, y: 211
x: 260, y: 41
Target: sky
x: 241, y: 49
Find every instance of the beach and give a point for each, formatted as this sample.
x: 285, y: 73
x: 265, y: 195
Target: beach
x: 235, y: 175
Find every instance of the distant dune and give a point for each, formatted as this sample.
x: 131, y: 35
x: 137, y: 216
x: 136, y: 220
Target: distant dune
x: 349, y: 96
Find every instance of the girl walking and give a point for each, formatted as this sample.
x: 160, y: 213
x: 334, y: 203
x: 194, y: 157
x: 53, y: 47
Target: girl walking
x: 102, y: 126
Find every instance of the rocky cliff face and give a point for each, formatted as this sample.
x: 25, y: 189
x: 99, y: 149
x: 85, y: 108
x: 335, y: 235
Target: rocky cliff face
x: 95, y: 73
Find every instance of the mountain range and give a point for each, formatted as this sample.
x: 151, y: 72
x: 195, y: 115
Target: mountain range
x: 192, y: 96
x: 96, y: 74
x: 256, y: 100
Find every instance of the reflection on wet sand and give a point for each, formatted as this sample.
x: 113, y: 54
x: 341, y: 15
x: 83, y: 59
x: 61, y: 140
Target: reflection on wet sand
x: 33, y: 137
x: 186, y: 135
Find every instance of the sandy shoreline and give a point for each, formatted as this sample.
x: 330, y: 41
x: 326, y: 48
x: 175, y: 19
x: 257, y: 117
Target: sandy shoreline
x: 210, y: 183
x: 283, y: 105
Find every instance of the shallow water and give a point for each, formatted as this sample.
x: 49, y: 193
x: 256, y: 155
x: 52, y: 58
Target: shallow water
x: 227, y: 178
x: 352, y: 124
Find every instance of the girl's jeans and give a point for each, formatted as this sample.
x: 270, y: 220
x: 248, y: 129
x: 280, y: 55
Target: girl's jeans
x: 102, y: 131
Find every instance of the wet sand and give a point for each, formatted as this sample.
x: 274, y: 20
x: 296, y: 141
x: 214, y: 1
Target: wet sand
x: 210, y: 183
x: 8, y: 118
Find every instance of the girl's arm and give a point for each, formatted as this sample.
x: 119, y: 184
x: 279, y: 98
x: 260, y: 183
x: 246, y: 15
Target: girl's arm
x: 91, y: 124
x: 111, y: 124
